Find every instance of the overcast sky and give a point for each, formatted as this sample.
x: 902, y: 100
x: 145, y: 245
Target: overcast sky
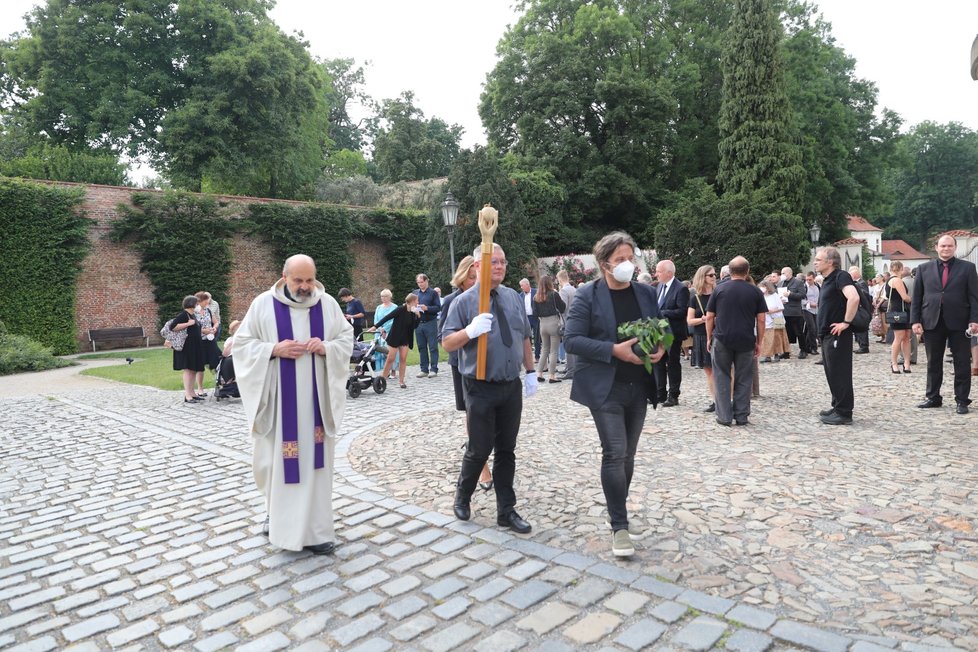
x: 918, y: 53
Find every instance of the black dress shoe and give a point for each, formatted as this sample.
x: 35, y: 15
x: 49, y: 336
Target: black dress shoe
x: 264, y: 527
x: 931, y: 403
x: 962, y: 408
x: 514, y: 522
x: 712, y: 407
x: 861, y: 351
x: 723, y: 423
x: 802, y: 355
x: 785, y: 356
x: 822, y: 362
x: 462, y: 509
x: 836, y: 419
x: 670, y: 402
x: 825, y: 413
x: 322, y: 548
x: 745, y: 422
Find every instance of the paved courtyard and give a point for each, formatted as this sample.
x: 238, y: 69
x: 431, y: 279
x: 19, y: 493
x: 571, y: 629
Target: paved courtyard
x: 130, y: 521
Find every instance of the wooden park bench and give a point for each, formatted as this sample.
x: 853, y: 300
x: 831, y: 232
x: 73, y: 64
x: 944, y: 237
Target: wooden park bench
x: 107, y: 334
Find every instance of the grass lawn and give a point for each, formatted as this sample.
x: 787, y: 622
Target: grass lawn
x: 154, y: 367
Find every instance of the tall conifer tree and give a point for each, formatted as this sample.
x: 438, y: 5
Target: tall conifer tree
x: 756, y: 150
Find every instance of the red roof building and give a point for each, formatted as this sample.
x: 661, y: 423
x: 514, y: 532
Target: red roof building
x: 900, y: 250
x: 860, y: 223
x: 849, y: 241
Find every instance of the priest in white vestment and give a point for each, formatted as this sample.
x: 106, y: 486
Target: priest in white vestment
x: 295, y: 343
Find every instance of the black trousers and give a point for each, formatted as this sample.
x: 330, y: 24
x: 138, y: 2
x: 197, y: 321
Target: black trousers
x: 935, y: 343
x: 837, y: 356
x: 862, y: 339
x: 811, y: 340
x: 671, y: 367
x: 795, y: 325
x: 619, y: 421
x: 494, y: 411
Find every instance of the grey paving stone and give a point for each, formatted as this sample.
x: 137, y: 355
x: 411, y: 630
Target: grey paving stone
x: 310, y: 626
x: 526, y: 570
x: 19, y: 619
x: 265, y: 621
x: 574, y: 560
x: 492, y: 614
x: 193, y: 591
x: 413, y: 628
x: 450, y: 638
x: 614, y: 573
x: 426, y: 537
x: 477, y: 571
x: 359, y: 604
x: 452, y: 608
x: 145, y: 607
x: 394, y: 549
x: 90, y: 627
x: 751, y: 616
x: 589, y: 591
x: 506, y: 558
x: 405, y: 607
x: 228, y: 596
x: 316, y: 581
x: 808, y: 636
x: 444, y: 588
x: 132, y: 633
x: 669, y: 611
x: 216, y: 642
x: 276, y: 597
x: 36, y: 598
x: 504, y: 641
x: 492, y: 535
x: 375, y: 644
x: 42, y: 644
x: 528, y: 594
x: 704, y: 602
x: 641, y: 634
x: 401, y: 585
x: 491, y: 589
x: 451, y: 544
x: 366, y: 580
x: 357, y: 629
x: 443, y: 567
x: 656, y: 587
x: 320, y: 598
x: 533, y: 549
x: 227, y: 616
x: 268, y: 642
x: 76, y: 600
x: 867, y: 646
x: 746, y: 640
x: 408, y: 562
x: 181, y: 613
x: 175, y: 636
x: 359, y: 565
x: 553, y: 646
x: 548, y: 617
x: 701, y: 633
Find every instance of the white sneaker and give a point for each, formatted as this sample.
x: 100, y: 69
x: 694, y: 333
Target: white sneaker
x: 423, y: 374
x: 433, y: 374
x: 621, y: 544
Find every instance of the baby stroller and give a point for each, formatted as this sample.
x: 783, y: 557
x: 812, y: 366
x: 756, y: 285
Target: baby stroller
x: 225, y: 384
x: 362, y: 358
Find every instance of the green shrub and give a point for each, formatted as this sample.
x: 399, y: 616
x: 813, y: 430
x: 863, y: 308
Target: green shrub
x: 43, y: 241
x: 19, y: 353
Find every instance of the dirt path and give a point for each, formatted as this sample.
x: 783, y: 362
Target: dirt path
x: 56, y: 380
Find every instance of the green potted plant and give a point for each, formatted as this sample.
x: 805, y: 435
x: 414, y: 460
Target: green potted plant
x: 651, y: 333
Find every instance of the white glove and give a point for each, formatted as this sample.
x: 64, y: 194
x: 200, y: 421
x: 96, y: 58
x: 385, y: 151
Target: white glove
x: 530, y: 384
x: 481, y: 324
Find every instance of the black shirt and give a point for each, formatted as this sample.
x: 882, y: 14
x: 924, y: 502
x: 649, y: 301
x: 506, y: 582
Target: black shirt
x: 625, y: 304
x: 736, y: 305
x: 831, y: 301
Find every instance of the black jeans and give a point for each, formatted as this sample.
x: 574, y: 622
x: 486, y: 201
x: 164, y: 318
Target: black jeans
x: 935, y: 343
x: 811, y: 341
x: 837, y: 356
x: 671, y: 367
x: 494, y: 411
x: 795, y: 325
x: 619, y: 421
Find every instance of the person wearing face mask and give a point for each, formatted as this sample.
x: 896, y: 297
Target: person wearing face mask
x: 609, y: 378
x: 673, y: 302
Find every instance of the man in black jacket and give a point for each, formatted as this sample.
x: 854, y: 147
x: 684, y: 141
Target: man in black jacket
x: 673, y: 298
x: 861, y: 339
x: 793, y: 296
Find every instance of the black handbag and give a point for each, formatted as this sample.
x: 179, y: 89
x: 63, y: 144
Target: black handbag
x: 560, y: 319
x: 896, y: 316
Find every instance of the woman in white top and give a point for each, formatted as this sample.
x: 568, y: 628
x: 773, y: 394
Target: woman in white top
x: 775, y: 336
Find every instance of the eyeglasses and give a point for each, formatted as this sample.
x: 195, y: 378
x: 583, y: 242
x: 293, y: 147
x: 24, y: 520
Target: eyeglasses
x: 712, y: 274
x: 501, y: 262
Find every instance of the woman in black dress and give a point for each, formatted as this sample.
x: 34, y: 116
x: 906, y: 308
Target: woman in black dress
x: 191, y: 359
x: 898, y: 299
x: 704, y: 282
x: 405, y: 319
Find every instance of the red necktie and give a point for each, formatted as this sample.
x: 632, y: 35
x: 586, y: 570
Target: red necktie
x: 944, y: 277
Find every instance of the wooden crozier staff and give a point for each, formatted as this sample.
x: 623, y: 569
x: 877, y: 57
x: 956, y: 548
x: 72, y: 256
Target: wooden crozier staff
x: 488, y: 221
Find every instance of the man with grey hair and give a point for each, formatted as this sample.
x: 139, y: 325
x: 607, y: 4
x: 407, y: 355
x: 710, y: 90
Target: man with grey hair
x: 673, y: 305
x: 645, y: 278
x: 724, y: 274
x: 792, y: 291
x: 838, y: 302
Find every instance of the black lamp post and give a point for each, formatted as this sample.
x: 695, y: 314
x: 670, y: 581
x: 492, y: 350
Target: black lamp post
x: 449, y: 215
x: 814, y: 231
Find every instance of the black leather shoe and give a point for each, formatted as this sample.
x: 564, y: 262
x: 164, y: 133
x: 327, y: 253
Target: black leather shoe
x: 861, y: 351
x: 322, y: 548
x: 745, y: 422
x: 670, y: 402
x: 836, y: 419
x: 514, y: 522
x: 712, y: 407
x: 462, y: 509
x: 723, y: 423
x: 802, y: 355
x: 825, y: 413
x: 822, y: 362
x: 785, y: 356
x: 962, y: 408
x: 264, y: 527
x: 931, y: 403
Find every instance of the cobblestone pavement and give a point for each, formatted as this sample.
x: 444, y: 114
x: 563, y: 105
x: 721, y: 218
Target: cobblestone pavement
x: 129, y: 520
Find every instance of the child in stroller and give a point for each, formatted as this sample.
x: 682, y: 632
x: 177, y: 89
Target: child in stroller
x: 225, y: 385
x: 362, y: 358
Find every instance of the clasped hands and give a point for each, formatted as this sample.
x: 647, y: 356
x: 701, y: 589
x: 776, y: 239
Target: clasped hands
x: 623, y: 351
x: 294, y: 350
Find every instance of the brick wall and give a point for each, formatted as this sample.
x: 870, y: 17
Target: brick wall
x: 113, y: 292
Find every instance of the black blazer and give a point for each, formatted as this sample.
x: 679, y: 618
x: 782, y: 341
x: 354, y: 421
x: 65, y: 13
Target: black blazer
x: 960, y: 297
x: 796, y: 294
x: 590, y: 332
x: 674, y: 309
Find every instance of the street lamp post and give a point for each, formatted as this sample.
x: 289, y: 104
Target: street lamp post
x: 814, y: 231
x: 449, y: 215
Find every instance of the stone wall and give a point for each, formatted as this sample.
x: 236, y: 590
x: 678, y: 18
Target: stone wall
x: 112, y: 292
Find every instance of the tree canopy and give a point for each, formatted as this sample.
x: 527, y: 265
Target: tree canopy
x: 408, y: 147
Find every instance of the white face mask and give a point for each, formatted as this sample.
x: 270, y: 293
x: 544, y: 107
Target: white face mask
x: 623, y: 271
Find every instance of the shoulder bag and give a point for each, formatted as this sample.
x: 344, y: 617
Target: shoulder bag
x: 896, y: 316
x: 174, y: 339
x: 560, y: 318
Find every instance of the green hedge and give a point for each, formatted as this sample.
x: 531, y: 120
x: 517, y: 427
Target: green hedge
x: 43, y: 240
x: 19, y: 353
x: 403, y: 233
x: 183, y: 242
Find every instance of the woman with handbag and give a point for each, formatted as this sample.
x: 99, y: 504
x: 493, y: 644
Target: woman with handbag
x: 704, y: 282
x: 548, y: 308
x: 190, y: 359
x: 775, y: 342
x: 898, y: 317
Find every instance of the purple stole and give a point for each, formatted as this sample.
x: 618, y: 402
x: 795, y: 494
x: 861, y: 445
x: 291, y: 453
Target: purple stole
x: 290, y: 397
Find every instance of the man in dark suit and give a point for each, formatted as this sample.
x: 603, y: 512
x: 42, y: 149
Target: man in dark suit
x: 793, y: 295
x: 526, y: 293
x: 945, y: 303
x: 673, y: 302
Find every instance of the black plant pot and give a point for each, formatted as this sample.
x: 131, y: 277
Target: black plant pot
x: 637, y: 350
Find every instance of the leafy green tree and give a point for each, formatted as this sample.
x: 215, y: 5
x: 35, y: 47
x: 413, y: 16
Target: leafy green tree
x: 358, y: 190
x: 756, y: 147
x: 409, y: 147
x: 937, y: 190
x: 58, y: 163
x: 346, y: 88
